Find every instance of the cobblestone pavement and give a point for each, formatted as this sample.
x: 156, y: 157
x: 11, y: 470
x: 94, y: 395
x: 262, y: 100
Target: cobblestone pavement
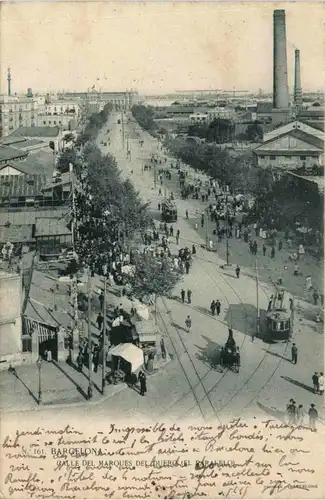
x: 192, y: 384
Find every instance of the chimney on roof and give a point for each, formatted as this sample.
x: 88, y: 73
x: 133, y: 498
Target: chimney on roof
x: 280, y: 71
x: 297, y: 94
x: 9, y: 82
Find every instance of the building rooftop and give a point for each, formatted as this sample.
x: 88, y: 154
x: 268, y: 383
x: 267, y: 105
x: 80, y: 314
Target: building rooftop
x: 264, y: 107
x: 29, y: 217
x: 37, y: 131
x: 16, y: 234
x: 8, y: 153
x: 29, y: 143
x: 12, y: 186
x: 47, y: 304
x: 50, y: 226
x: 12, y: 139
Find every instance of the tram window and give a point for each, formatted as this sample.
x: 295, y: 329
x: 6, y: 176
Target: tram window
x: 282, y: 325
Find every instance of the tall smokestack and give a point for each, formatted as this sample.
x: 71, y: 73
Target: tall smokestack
x: 280, y: 71
x: 9, y: 82
x: 297, y: 93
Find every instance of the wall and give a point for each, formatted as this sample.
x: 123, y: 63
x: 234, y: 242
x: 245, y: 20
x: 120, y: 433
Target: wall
x: 10, y: 314
x: 287, y: 163
x: 16, y: 112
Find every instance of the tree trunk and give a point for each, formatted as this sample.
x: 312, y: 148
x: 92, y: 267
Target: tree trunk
x: 156, y: 298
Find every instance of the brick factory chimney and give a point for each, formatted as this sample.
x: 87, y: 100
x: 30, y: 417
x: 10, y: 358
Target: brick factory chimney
x: 9, y: 82
x: 297, y: 93
x: 280, y: 71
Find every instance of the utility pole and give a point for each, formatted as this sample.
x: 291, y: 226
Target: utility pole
x: 258, y: 319
x: 104, y: 342
x: 90, y: 388
x: 206, y: 230
x: 122, y: 122
x: 227, y: 230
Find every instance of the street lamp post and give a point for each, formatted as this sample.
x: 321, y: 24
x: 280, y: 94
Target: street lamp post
x: 258, y: 318
x: 104, y: 341
x: 39, y: 366
x: 90, y: 388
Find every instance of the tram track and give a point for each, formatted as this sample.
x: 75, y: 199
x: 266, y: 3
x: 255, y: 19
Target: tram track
x: 207, y: 393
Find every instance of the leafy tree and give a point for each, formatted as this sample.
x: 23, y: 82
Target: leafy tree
x: 153, y: 277
x: 66, y: 157
x: 254, y: 131
x: 144, y: 115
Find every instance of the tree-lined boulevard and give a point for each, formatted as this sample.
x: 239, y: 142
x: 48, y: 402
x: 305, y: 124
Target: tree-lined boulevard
x: 192, y: 384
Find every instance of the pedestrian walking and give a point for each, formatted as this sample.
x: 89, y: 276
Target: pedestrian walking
x: 210, y: 245
x: 171, y: 231
x: 159, y: 192
x: 100, y: 321
x: 237, y: 271
x: 272, y: 252
x: 80, y: 361
x: 291, y: 401
x: 300, y: 415
x: 186, y: 214
x: 101, y: 300
x: 313, y: 416
x: 187, y: 266
x: 189, y: 296
x: 296, y: 270
x: 213, y: 308
x: 188, y: 323
x: 143, y: 383
x: 292, y: 411
x: 193, y: 250
x: 264, y: 249
x: 195, y: 225
x: 280, y: 245
x: 177, y: 239
x: 317, y: 318
x: 162, y: 348
x: 321, y: 384
x: 294, y: 354
x: 315, y: 380
x: 315, y: 297
x: 183, y: 295
x: 159, y: 206
x: 218, y: 307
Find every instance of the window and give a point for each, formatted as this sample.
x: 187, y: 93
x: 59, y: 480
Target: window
x: 272, y: 157
x: 60, y: 123
x: 54, y: 122
x: 302, y: 157
x: 44, y: 122
x: 287, y: 156
x: 262, y: 157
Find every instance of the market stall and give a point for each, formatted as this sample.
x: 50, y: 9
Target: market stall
x: 127, y: 360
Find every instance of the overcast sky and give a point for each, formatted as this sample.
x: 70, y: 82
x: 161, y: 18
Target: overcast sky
x: 155, y: 47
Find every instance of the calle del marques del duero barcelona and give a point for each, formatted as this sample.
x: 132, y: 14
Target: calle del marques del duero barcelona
x: 166, y: 269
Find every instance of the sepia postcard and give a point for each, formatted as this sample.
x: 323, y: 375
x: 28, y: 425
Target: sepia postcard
x: 162, y: 239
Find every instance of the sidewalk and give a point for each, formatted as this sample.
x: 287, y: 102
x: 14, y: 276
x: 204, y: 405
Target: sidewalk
x: 61, y: 385
x: 267, y: 372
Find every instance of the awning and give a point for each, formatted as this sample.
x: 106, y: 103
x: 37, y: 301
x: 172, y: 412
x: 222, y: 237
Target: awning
x: 130, y: 353
x: 146, y: 327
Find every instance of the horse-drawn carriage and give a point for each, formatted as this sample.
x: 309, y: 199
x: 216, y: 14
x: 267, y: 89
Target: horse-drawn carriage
x: 230, y: 356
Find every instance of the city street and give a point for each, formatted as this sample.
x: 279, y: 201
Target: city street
x: 193, y: 384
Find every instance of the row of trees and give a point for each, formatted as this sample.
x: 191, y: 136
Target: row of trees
x: 144, y: 115
x: 236, y: 172
x: 219, y: 130
x: 109, y: 213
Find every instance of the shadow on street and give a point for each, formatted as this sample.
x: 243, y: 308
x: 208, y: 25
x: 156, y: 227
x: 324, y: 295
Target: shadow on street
x: 79, y: 389
x: 272, y: 412
x: 15, y: 374
x: 243, y: 317
x: 209, y: 354
x: 277, y: 355
x: 298, y: 384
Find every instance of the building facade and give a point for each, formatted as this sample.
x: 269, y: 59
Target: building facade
x: 16, y: 112
x: 290, y: 149
x: 11, y: 297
